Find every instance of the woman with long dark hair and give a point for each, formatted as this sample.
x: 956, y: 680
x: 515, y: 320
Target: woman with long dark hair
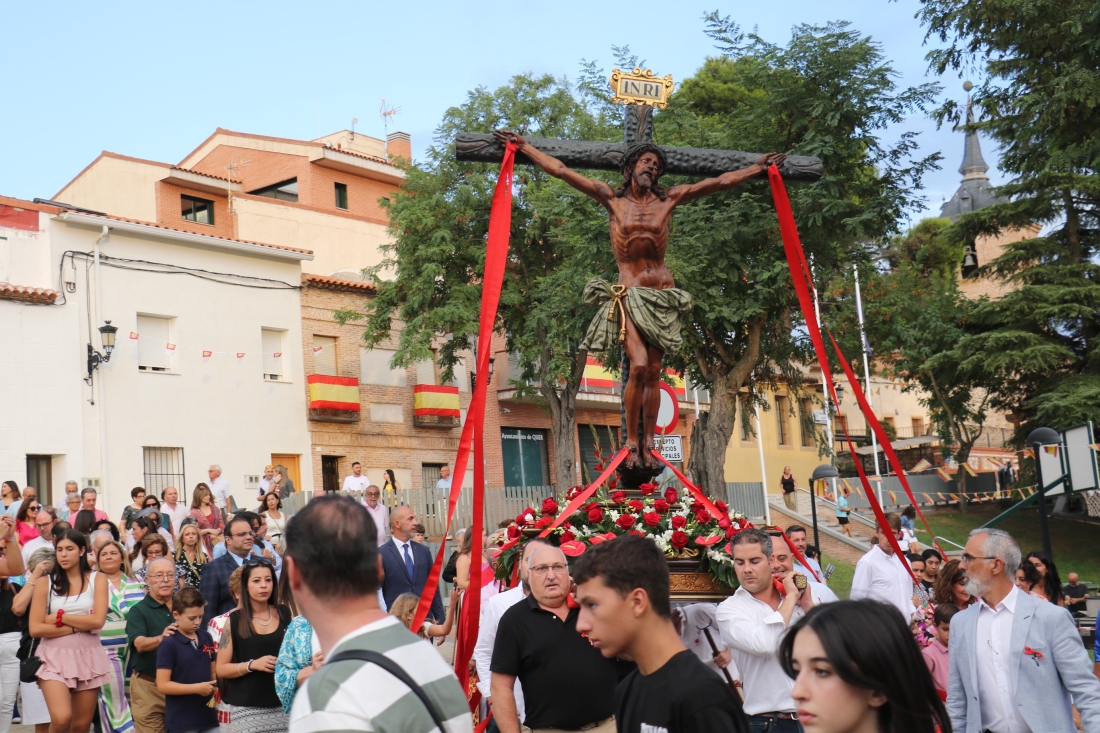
x: 950, y: 586
x: 10, y: 494
x: 389, y: 488
x: 140, y: 528
x: 246, y: 660
x: 1051, y: 587
x: 276, y: 520
x: 856, y: 669
x: 67, y: 614
x: 24, y: 520
x: 84, y: 522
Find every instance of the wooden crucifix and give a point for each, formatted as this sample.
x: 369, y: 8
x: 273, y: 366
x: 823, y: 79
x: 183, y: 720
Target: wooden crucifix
x: 644, y: 309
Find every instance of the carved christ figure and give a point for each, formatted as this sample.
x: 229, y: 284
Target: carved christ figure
x: 645, y: 309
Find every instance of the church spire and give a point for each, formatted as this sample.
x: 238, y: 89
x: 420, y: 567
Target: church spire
x: 973, y: 165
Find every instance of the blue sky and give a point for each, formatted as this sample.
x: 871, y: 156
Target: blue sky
x: 153, y: 81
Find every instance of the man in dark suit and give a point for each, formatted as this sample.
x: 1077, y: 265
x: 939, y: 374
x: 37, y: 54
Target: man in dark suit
x: 406, y: 563
x: 214, y: 583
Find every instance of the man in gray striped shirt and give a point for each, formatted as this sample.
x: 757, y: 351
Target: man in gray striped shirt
x: 334, y: 569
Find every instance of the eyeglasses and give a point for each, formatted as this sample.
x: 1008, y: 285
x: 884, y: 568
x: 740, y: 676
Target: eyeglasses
x: 967, y: 559
x: 43, y: 527
x: 32, y: 508
x: 160, y: 576
x: 254, y: 560
x: 556, y: 568
x: 244, y: 534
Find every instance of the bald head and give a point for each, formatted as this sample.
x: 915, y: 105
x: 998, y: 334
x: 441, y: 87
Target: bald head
x: 402, y: 523
x: 548, y: 575
x: 1073, y: 579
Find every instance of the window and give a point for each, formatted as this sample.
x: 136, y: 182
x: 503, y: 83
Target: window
x: 783, y: 419
x: 807, y: 422
x: 164, y: 468
x: 341, y: 196
x: 745, y: 420
x: 273, y: 354
x: 918, y: 426
x: 324, y: 361
x: 425, y: 372
x: 285, y: 191
x: 197, y: 210
x: 840, y: 424
x: 153, y: 340
x: 374, y: 368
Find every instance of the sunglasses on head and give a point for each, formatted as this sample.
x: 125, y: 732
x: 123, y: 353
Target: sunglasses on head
x: 254, y: 560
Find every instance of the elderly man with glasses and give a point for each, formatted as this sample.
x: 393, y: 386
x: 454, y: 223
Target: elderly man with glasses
x: 149, y: 623
x: 377, y: 511
x: 568, y: 685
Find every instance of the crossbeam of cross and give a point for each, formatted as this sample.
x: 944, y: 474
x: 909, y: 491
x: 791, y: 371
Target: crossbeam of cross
x: 637, y: 128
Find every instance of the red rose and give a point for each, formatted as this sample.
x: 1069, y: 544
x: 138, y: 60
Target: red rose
x: 513, y: 531
x: 679, y: 522
x: 722, y: 506
x: 671, y: 496
x: 702, y: 516
x: 544, y: 523
x: 635, y: 505
x: 521, y: 520
x: 660, y: 506
x: 652, y: 518
x: 679, y: 539
x: 590, y: 506
x: 573, y: 493
x: 619, y: 497
x: 549, y: 506
x: 595, y: 515
x: 640, y: 534
x: 724, y: 522
x: 647, y: 489
x: 567, y: 536
x: 626, y: 521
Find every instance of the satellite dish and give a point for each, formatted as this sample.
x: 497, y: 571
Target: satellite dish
x: 669, y: 412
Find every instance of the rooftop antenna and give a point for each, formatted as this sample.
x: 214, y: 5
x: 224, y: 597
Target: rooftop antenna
x: 354, y: 122
x: 233, y: 167
x: 387, y: 114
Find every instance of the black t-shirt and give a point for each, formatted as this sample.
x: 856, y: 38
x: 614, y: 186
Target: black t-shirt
x: 927, y: 585
x: 256, y: 689
x: 684, y: 696
x: 189, y: 660
x: 1075, y: 596
x: 567, y: 682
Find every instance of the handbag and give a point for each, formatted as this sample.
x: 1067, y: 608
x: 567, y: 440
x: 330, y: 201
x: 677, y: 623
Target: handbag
x: 394, y: 669
x: 29, y: 663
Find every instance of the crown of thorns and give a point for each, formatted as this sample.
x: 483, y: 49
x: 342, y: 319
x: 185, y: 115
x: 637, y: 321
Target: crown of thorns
x: 637, y: 151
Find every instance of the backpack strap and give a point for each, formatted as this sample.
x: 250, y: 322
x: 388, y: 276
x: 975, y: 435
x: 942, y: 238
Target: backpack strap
x: 394, y: 669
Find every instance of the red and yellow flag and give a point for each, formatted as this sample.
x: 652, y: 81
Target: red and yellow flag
x: 953, y: 497
x: 333, y: 393
x: 943, y: 475
x: 893, y: 497
x: 922, y: 465
x: 437, y: 400
x: 969, y: 471
x: 1050, y: 450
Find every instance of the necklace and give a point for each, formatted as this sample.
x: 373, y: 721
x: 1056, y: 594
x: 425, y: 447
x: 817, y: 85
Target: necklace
x: 264, y: 623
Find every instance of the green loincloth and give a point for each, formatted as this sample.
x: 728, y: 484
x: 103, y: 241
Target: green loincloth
x: 658, y: 314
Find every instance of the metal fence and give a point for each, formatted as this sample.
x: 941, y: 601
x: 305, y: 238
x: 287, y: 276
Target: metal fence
x: 927, y: 489
x: 746, y: 497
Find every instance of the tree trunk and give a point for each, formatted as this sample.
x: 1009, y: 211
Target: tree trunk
x: 562, y: 399
x: 961, y: 476
x: 710, y: 436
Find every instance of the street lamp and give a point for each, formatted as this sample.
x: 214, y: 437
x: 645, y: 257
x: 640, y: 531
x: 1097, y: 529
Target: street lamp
x: 824, y: 471
x: 1038, y: 438
x: 107, y: 336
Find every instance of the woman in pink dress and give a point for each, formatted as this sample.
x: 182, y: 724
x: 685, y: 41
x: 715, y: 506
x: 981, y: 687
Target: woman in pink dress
x: 24, y: 521
x: 67, y: 614
x: 208, y: 517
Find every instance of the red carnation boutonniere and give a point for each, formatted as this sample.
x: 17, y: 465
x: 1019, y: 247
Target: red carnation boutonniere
x: 1034, y: 654
x: 209, y: 650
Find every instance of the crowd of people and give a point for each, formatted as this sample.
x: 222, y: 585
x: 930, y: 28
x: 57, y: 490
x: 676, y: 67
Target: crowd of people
x: 207, y: 616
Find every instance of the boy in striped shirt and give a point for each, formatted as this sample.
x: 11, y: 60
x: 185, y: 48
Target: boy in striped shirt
x: 333, y: 567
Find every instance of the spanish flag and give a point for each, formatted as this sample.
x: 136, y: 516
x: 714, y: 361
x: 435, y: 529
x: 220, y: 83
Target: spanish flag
x: 1051, y: 450
x: 996, y: 462
x: 928, y: 499
x: 846, y: 483
x: 969, y: 471
x: 893, y: 497
x: 333, y: 393
x: 943, y: 475
x: 953, y: 497
x: 922, y: 465
x: 437, y: 400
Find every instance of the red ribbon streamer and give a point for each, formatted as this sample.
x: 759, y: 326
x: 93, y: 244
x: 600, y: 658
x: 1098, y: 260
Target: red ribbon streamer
x: 802, y: 279
x: 496, y: 255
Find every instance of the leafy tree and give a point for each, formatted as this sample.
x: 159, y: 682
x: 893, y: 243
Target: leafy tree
x: 430, y: 281
x: 1040, y: 101
x: 828, y: 92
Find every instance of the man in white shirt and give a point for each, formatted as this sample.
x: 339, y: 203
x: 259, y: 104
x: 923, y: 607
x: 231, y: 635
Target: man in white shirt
x: 753, y: 622
x: 490, y: 619
x: 377, y: 511
x: 173, y: 509
x: 783, y: 563
x: 44, y: 522
x: 882, y: 576
x: 357, y: 481
x: 265, y: 482
x: 797, y: 534
x: 219, y: 488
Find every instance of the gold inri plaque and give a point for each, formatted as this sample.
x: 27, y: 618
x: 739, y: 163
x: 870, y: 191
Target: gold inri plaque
x: 641, y: 87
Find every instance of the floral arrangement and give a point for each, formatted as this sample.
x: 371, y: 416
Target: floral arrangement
x: 679, y: 525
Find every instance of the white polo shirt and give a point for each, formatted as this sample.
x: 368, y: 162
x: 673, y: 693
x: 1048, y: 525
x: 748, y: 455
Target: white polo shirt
x: 883, y: 577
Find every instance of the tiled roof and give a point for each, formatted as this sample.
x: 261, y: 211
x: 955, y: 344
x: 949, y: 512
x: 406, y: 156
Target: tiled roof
x: 27, y: 294
x: 207, y: 175
x: 358, y: 155
x: 334, y: 283
x: 212, y: 236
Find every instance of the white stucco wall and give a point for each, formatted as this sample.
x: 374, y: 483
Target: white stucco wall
x: 218, y: 410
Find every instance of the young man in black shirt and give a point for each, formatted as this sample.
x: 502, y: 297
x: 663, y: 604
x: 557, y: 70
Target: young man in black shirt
x: 623, y: 590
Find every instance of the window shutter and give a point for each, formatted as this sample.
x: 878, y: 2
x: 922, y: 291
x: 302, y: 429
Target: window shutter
x: 153, y: 343
x: 425, y: 372
x: 324, y: 361
x: 272, y: 344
